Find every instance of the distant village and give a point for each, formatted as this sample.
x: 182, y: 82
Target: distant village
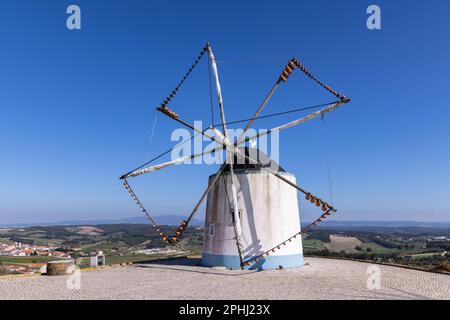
x: 19, y: 249
x: 158, y: 251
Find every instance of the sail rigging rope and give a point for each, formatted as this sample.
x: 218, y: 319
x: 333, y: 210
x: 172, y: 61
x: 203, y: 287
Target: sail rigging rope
x: 149, y: 217
x: 163, y: 153
x: 279, y: 113
x: 274, y: 60
x: 175, y: 91
x: 265, y: 254
x: 327, y: 157
x: 231, y: 122
x: 151, y: 135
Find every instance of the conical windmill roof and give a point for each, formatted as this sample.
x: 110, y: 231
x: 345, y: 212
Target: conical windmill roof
x: 242, y: 163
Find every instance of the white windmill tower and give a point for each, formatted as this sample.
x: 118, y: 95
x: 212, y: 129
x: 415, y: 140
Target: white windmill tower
x: 252, y: 217
x: 268, y: 215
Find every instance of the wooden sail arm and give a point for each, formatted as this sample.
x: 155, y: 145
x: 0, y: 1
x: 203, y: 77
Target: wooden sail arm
x: 298, y: 235
x: 308, y: 117
x: 184, y: 224
x: 234, y: 210
x: 309, y: 196
x: 223, y: 145
x: 290, y: 67
x: 282, y: 78
x: 157, y: 167
x: 295, y: 122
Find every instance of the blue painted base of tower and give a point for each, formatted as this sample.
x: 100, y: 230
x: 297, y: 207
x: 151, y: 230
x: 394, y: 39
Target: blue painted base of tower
x: 270, y: 262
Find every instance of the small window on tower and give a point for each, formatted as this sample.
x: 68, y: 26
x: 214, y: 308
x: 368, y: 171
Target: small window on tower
x: 211, y: 229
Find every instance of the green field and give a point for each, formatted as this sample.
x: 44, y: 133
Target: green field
x: 111, y: 239
x: 129, y: 258
x: 6, y: 240
x: 408, y: 245
x: 376, y: 248
x: 133, y: 258
x: 26, y: 260
x: 118, y: 242
x: 110, y: 259
x: 425, y: 255
x: 312, y: 244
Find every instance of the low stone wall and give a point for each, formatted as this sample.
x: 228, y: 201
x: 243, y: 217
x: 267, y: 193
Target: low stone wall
x: 62, y: 267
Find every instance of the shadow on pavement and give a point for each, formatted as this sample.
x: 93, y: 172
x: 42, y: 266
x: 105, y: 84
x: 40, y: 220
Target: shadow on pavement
x: 194, y: 265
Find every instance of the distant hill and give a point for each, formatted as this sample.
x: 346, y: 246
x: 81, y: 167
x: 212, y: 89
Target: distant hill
x: 382, y: 224
x: 174, y: 220
x: 169, y: 220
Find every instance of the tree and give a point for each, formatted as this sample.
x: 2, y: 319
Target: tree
x: 443, y: 266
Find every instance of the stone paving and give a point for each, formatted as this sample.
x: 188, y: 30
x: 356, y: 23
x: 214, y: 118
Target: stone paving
x: 185, y: 279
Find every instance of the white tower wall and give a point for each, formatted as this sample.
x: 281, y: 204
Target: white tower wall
x: 269, y: 215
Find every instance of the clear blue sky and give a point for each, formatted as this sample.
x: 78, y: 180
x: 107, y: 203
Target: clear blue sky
x: 77, y: 107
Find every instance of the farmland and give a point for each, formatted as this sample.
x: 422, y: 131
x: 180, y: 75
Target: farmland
x: 416, y: 247
x: 123, y: 243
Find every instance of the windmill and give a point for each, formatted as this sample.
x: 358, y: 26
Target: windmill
x: 252, y: 217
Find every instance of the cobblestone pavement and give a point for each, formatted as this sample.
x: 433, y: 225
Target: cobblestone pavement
x: 185, y: 279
